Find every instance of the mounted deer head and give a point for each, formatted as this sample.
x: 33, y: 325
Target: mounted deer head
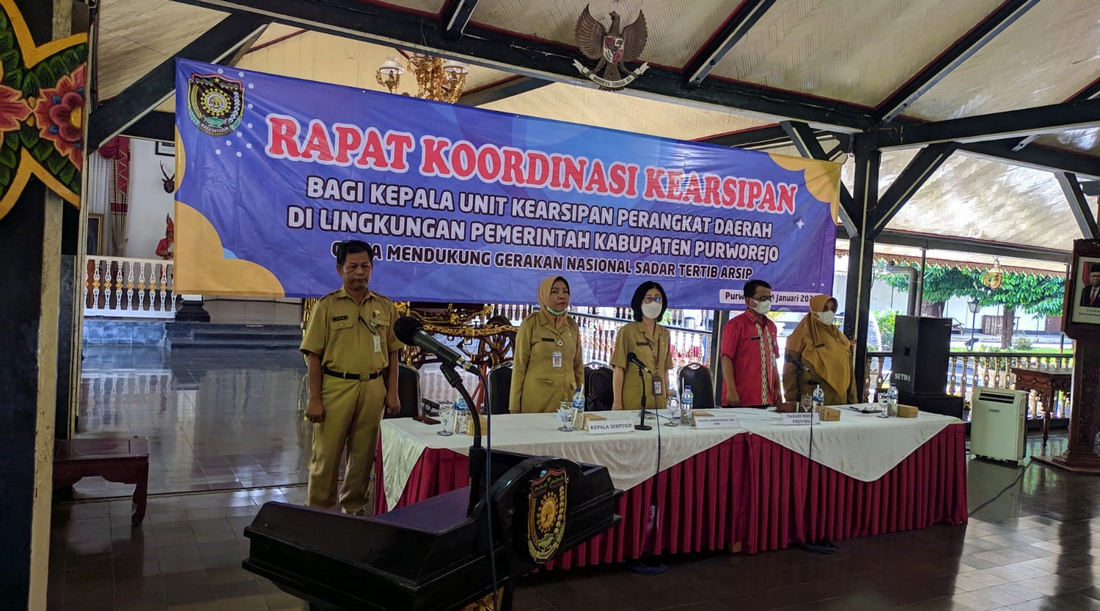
x: 169, y: 181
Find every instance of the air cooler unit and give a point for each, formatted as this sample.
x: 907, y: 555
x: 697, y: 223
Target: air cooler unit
x: 998, y: 424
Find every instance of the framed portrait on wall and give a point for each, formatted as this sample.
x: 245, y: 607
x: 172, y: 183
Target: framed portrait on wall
x: 1082, y: 305
x: 95, y: 234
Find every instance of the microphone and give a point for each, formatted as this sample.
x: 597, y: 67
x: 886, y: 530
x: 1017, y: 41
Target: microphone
x: 411, y: 331
x: 792, y: 359
x: 633, y: 358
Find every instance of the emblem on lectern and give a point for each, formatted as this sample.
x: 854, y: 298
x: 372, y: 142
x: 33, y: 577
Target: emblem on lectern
x: 546, y: 514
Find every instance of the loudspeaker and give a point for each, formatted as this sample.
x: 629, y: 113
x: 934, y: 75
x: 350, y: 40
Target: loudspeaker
x: 922, y: 348
x: 937, y: 404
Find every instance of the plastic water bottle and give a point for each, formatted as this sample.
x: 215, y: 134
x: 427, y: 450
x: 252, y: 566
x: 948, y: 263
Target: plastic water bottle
x: 893, y: 397
x: 819, y: 400
x: 462, y: 412
x: 686, y: 401
x: 578, y: 400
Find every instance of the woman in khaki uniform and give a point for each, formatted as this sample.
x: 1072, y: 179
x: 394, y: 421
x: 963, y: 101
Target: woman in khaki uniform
x: 548, y: 364
x: 651, y: 343
x: 824, y: 352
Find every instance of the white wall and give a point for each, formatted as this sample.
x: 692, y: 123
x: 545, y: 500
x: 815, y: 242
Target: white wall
x: 149, y: 204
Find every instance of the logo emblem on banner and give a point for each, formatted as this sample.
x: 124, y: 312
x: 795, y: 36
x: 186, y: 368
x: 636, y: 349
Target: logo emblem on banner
x: 215, y: 104
x: 546, y: 514
x: 612, y: 47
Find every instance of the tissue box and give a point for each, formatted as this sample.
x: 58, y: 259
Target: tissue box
x: 470, y: 425
x: 830, y: 414
x: 907, y: 411
x: 588, y: 418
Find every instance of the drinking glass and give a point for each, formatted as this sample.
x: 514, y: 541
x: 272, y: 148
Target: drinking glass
x: 883, y: 405
x: 672, y: 410
x: 565, y: 414
x: 446, y: 418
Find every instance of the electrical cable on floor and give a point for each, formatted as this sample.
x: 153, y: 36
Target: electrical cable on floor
x: 1003, y: 490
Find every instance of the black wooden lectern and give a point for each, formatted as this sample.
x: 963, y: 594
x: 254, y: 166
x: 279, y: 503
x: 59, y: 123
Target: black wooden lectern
x: 435, y: 555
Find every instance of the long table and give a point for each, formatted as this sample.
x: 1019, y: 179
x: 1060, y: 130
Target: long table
x: 758, y: 487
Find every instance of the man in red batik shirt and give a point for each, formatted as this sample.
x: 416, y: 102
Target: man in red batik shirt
x: 750, y: 377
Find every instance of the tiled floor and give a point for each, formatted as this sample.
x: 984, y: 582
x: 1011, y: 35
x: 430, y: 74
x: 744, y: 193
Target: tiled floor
x: 1031, y: 550
x: 216, y: 420
x: 211, y: 417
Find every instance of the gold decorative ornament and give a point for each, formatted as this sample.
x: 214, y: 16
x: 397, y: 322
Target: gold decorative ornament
x: 995, y: 276
x: 437, y: 79
x: 486, y: 339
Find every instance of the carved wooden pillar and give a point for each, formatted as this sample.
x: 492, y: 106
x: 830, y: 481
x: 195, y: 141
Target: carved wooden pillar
x: 1081, y: 321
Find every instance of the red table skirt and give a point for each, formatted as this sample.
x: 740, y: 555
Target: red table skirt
x: 747, y: 493
x: 699, y: 505
x: 928, y: 487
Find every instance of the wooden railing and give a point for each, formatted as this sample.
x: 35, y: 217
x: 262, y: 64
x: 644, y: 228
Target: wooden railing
x: 598, y: 340
x: 128, y: 288
x: 965, y: 370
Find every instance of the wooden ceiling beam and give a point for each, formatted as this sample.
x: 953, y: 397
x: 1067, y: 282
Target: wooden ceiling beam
x: 994, y: 126
x: 912, y: 178
x: 805, y: 140
x: 155, y: 125
x: 501, y: 90
x: 456, y: 16
x: 225, y: 43
x: 739, y: 23
x: 1088, y: 93
x: 756, y: 138
x: 1086, y: 220
x: 385, y: 25
x: 955, y: 55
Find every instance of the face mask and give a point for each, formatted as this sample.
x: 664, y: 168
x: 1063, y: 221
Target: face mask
x: 826, y: 317
x: 651, y: 310
x: 554, y: 312
x: 763, y: 307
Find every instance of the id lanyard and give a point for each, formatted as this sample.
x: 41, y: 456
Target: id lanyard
x: 658, y: 377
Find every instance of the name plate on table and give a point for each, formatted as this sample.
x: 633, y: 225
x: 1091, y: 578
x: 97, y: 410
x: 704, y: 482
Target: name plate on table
x: 724, y: 421
x: 802, y: 419
x: 605, y: 427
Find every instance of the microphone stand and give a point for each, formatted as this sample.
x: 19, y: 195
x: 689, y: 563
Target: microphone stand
x: 824, y: 546
x: 477, y: 453
x: 642, y: 426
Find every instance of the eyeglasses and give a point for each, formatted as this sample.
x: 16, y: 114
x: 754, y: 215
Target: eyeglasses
x: 648, y: 299
x: 764, y: 298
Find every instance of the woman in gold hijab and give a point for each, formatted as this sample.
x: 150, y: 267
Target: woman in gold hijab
x: 825, y: 355
x: 548, y: 364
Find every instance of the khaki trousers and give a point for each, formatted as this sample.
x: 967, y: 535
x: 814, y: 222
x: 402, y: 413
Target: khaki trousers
x: 353, y: 411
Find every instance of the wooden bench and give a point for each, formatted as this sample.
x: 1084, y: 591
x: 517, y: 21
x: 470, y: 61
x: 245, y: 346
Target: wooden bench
x: 124, y: 461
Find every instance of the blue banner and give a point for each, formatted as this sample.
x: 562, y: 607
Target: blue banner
x: 468, y: 205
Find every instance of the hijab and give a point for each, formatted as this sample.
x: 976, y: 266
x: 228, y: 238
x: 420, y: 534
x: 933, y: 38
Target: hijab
x: 824, y: 347
x: 544, y: 299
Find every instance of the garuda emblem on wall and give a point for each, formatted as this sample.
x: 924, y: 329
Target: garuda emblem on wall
x: 613, y: 47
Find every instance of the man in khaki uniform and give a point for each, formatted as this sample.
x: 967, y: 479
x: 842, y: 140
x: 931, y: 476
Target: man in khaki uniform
x: 350, y: 345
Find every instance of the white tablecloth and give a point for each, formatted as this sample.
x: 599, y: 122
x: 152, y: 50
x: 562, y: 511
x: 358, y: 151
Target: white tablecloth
x: 630, y: 458
x: 861, y: 446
